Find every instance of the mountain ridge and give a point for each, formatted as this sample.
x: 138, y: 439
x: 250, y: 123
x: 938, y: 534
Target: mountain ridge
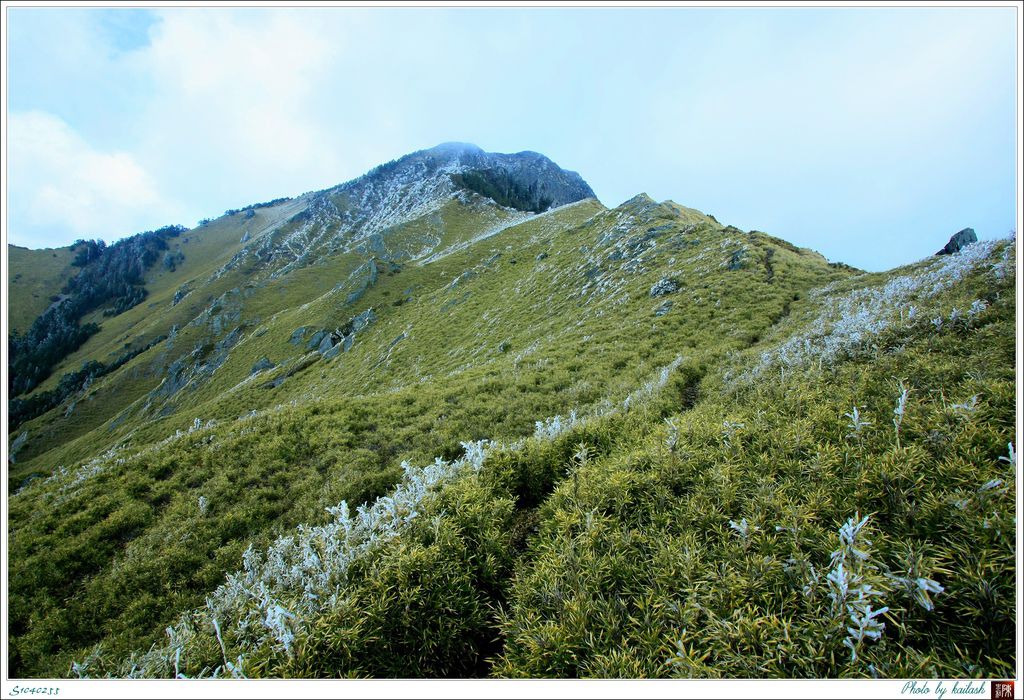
x: 400, y: 429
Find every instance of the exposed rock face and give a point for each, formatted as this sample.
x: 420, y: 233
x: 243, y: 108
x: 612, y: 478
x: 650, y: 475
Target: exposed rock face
x: 331, y: 343
x: 958, y: 240
x: 526, y: 181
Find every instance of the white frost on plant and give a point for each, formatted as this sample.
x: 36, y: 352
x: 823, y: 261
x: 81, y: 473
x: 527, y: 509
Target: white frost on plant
x: 965, y: 408
x: 743, y: 528
x: 856, y: 424
x: 652, y: 386
x: 900, y: 410
x: 672, y: 439
x: 550, y: 428
x: 1011, y: 456
x: 850, y: 588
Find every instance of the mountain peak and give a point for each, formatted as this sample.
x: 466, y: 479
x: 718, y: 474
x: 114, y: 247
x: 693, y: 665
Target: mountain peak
x: 455, y: 147
x: 403, y: 190
x: 528, y: 181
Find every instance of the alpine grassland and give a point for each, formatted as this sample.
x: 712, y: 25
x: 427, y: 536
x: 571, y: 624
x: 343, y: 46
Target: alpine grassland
x: 398, y: 429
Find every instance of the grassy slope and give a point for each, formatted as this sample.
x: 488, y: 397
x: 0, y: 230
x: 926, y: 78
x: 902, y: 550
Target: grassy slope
x: 206, y: 249
x: 33, y: 277
x: 268, y: 310
x: 561, y: 319
x: 708, y: 555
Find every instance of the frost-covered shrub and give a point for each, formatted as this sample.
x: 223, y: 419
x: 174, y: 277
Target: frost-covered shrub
x: 550, y: 428
x: 900, y: 410
x: 270, y: 600
x: 856, y: 424
x: 850, y: 588
x: 848, y: 321
x: 672, y: 439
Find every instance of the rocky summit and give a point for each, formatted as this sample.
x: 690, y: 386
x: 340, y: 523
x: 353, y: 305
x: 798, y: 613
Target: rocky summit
x: 458, y: 418
x: 958, y: 240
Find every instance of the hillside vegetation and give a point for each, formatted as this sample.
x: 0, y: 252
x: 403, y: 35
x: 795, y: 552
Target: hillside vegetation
x: 467, y: 439
x: 36, y: 275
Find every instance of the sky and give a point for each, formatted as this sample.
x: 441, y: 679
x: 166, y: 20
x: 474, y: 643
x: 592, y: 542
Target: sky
x: 868, y: 134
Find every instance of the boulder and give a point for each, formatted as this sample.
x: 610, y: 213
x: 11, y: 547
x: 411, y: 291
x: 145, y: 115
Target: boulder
x: 327, y: 343
x: 959, y: 240
x: 297, y: 335
x: 315, y: 341
x: 666, y: 285
x: 664, y: 308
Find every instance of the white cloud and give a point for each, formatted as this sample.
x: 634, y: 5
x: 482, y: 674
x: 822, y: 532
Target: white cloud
x: 775, y: 120
x: 238, y: 94
x: 61, y: 187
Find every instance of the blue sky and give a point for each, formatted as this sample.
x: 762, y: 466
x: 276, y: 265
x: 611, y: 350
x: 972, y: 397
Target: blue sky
x: 868, y: 134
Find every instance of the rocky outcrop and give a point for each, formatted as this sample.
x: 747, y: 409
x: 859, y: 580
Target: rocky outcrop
x: 262, y: 365
x: 332, y: 343
x: 958, y: 240
x: 736, y: 259
x: 363, y: 320
x: 16, y: 444
x: 180, y: 294
x: 329, y: 341
x: 361, y: 213
x: 367, y: 276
